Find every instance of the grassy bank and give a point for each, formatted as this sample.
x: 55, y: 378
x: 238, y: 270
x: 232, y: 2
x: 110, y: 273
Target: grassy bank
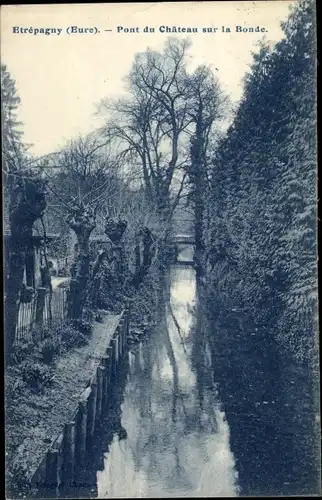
x: 42, y: 396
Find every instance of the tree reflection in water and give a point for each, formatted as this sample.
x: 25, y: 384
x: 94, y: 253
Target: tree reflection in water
x: 167, y: 434
x: 177, y: 439
x: 268, y: 405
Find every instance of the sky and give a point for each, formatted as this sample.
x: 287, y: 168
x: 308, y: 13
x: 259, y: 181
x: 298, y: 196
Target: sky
x: 61, y: 77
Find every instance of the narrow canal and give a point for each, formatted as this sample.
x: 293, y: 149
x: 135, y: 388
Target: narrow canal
x: 173, y: 447
x: 185, y: 416
x: 163, y: 438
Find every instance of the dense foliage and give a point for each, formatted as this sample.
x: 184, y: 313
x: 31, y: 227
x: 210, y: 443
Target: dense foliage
x: 261, y: 229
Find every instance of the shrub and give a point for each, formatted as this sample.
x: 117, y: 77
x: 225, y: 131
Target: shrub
x: 64, y: 272
x: 14, y: 387
x: 82, y: 326
x: 71, y: 337
x: 111, y: 304
x: 48, y: 332
x: 49, y: 349
x: 20, y: 350
x: 36, y: 375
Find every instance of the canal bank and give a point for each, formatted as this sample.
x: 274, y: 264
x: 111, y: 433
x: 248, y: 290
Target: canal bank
x: 37, y: 422
x: 166, y: 436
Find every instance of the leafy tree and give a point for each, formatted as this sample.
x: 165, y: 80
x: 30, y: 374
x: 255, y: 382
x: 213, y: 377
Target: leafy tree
x: 13, y: 148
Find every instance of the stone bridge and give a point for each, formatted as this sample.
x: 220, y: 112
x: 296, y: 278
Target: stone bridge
x: 183, y: 243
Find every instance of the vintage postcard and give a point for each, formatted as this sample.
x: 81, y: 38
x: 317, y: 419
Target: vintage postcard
x: 159, y: 166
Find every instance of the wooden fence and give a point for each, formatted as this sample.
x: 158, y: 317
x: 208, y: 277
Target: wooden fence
x: 40, y: 312
x: 56, y: 308
x: 25, y: 320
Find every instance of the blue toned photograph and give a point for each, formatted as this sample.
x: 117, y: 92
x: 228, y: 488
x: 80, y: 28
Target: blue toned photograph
x: 161, y: 329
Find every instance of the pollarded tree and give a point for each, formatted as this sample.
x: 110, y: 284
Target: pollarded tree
x: 82, y: 177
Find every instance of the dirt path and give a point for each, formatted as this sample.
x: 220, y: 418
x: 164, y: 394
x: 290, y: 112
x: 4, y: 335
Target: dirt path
x: 34, y: 421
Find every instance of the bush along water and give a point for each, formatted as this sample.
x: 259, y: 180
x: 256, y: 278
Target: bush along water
x: 83, y: 326
x: 144, y: 305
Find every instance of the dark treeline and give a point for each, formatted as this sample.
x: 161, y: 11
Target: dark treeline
x: 260, y: 286
x: 261, y: 218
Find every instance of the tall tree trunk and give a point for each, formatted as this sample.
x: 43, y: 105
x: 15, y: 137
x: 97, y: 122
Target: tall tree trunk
x: 197, y: 178
x: 199, y: 217
x: 82, y: 221
x: 92, y: 296
x: 79, y: 283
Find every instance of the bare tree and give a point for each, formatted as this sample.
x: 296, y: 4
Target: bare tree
x: 150, y: 124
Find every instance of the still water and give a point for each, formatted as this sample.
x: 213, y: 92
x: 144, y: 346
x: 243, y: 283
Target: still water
x: 174, y: 445
x: 167, y: 437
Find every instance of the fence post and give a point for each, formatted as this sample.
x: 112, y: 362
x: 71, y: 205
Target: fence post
x: 123, y: 333
x: 91, y: 411
x: 71, y: 299
x: 60, y: 458
x: 117, y: 349
x: 104, y: 362
x: 100, y: 378
x: 109, y: 353
x: 119, y: 340
x: 115, y: 356
x: 82, y: 430
x: 69, y: 453
x: 127, y: 322
x: 51, y: 479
